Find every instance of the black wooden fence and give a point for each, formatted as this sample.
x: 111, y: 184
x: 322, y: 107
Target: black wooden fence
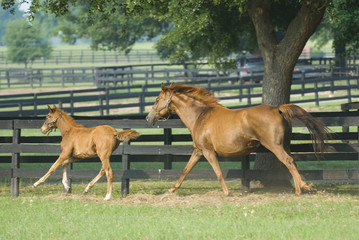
x: 166, y: 146
x: 76, y: 57
x: 133, y: 97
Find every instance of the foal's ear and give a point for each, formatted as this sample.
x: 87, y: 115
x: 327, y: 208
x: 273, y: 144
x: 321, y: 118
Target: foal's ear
x: 163, y: 86
x: 50, y: 110
x: 54, y: 107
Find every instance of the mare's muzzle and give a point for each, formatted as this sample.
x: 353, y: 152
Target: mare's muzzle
x: 151, y: 118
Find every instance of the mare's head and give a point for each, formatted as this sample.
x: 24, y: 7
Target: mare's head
x: 51, y: 121
x: 165, y: 103
x: 162, y: 107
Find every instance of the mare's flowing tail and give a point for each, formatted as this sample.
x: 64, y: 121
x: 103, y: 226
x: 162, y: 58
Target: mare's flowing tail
x: 318, y: 131
x: 126, y: 135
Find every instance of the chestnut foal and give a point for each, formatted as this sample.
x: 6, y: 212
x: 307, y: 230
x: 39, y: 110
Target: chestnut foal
x: 79, y: 142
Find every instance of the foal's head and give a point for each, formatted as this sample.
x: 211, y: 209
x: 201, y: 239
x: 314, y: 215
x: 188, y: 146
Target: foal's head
x: 51, y: 121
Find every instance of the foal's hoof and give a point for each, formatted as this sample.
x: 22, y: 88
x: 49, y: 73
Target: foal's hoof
x: 309, y: 187
x: 34, y: 186
x: 172, y: 190
x: 312, y: 187
x: 108, y: 197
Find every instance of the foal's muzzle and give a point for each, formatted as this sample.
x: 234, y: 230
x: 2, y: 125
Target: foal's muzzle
x: 45, y: 129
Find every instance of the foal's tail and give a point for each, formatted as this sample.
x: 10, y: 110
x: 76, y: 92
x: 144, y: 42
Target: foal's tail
x: 318, y: 131
x: 126, y: 135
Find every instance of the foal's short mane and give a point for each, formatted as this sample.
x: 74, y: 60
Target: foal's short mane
x: 69, y: 119
x: 197, y: 93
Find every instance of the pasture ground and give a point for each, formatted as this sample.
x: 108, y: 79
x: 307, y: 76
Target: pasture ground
x: 197, y: 211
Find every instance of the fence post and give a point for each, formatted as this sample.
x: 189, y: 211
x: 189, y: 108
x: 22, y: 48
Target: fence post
x: 72, y: 102
x: 63, y: 78
x: 15, y: 163
x: 245, y: 178
x: 168, y: 141
x: 35, y: 104
x: 142, y: 100
x: 8, y: 78
x: 125, y: 182
x: 107, y: 102
x: 316, y: 92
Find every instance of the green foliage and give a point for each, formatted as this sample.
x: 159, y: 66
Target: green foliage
x: 109, y: 28
x: 201, y: 29
x: 5, y: 18
x: 24, y: 43
x: 344, y: 23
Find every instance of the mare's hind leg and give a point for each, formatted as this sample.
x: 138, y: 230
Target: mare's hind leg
x: 196, y: 155
x: 213, y: 160
x: 288, y: 161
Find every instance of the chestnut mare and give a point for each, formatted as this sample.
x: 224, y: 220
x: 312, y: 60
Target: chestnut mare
x: 217, y: 130
x: 79, y: 142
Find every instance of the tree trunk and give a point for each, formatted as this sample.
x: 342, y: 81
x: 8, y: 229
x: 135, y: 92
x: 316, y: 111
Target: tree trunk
x: 340, y: 52
x: 276, y: 91
x: 280, y: 57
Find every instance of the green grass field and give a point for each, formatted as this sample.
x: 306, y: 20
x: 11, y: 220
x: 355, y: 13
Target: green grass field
x: 197, y: 211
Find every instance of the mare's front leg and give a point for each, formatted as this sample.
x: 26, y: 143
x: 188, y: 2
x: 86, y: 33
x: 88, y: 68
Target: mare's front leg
x: 196, y: 155
x: 62, y: 158
x: 213, y: 160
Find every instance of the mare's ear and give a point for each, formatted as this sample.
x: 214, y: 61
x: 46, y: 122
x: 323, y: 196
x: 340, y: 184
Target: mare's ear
x: 54, y: 107
x: 50, y: 110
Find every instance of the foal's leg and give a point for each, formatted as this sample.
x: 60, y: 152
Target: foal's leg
x: 52, y: 169
x: 92, y: 183
x: 65, y: 179
x: 109, y: 175
x: 213, y: 160
x: 196, y: 155
x: 104, y: 156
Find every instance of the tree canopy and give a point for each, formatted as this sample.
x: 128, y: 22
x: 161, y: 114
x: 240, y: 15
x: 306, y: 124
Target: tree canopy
x: 190, y: 29
x: 25, y: 44
x: 6, y: 17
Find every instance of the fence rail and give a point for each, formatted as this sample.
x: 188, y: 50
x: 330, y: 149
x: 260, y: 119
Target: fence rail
x: 134, y: 94
x: 93, y: 57
x: 165, y: 146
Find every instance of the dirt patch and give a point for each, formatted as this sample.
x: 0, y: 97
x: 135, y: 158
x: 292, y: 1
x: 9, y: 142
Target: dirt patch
x: 215, y: 198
